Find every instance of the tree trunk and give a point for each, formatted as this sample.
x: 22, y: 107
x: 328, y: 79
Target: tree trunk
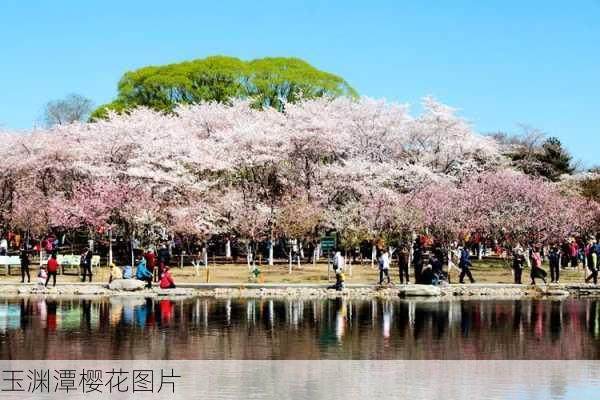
x: 271, y: 252
x: 110, y: 247
x: 131, y: 239
x: 373, y: 255
x: 349, y: 263
x: 228, y: 249
x: 248, y: 255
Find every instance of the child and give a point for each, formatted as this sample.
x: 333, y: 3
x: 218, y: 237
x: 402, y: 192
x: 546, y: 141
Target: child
x: 42, y: 275
x: 166, y: 280
x: 127, y: 272
x: 115, y: 273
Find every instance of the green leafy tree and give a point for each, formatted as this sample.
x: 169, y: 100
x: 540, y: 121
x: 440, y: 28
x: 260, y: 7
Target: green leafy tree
x: 270, y: 81
x: 555, y: 159
x: 535, y: 154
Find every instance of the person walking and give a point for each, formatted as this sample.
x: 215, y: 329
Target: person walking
x: 25, y: 263
x: 384, y: 267
x: 536, y: 266
x: 52, y: 270
x: 554, y: 260
x: 86, y: 263
x: 338, y: 267
x: 593, y: 262
x: 518, y: 265
x: 465, y: 266
x: 403, y: 259
x: 142, y: 273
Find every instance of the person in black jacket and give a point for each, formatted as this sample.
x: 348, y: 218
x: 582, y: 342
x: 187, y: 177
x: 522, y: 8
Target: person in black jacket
x: 465, y: 266
x: 25, y: 262
x: 164, y: 256
x: 554, y: 259
x: 593, y: 263
x: 403, y: 258
x: 86, y: 264
x: 518, y: 265
x: 417, y: 260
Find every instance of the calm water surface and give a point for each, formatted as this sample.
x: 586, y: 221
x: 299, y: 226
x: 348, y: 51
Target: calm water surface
x: 208, y: 328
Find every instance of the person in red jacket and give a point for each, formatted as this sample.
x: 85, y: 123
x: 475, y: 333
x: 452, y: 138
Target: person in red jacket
x: 151, y: 264
x: 573, y: 252
x: 52, y: 270
x: 166, y: 280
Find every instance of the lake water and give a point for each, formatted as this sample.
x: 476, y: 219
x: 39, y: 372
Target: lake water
x: 262, y: 329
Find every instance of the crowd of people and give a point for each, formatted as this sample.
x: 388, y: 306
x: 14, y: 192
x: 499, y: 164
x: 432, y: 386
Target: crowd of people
x: 430, y: 261
x: 148, y: 266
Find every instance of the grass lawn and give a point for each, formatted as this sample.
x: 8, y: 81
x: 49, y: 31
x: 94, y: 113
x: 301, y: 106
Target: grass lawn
x: 486, y: 271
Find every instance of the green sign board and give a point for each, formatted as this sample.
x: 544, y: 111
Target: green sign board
x: 327, y: 243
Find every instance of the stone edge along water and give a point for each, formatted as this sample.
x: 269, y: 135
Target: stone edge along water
x: 306, y: 291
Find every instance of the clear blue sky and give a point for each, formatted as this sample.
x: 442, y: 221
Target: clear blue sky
x: 502, y: 62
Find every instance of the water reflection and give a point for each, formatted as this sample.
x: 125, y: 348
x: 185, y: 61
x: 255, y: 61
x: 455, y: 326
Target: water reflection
x: 207, y: 328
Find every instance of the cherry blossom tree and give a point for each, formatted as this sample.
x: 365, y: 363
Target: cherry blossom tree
x: 367, y: 168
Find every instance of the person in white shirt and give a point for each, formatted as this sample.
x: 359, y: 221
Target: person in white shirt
x: 338, y: 266
x: 3, y: 246
x: 384, y: 266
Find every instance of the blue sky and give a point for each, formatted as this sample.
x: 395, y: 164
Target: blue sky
x: 501, y: 63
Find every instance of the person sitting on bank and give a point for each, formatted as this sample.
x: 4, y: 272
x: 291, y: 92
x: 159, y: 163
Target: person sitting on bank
x: 166, y: 279
x: 127, y: 272
x: 116, y: 273
x: 142, y: 273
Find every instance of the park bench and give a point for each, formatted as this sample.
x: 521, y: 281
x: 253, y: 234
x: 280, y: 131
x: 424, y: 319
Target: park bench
x: 69, y: 262
x: 95, y: 261
x: 10, y: 261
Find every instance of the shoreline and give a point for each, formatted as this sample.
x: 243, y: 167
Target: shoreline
x: 311, y: 291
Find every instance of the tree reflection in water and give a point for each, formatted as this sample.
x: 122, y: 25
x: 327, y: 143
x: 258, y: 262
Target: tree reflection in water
x: 208, y: 328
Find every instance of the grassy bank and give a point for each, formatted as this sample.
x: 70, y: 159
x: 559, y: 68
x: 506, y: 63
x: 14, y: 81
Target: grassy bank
x: 486, y: 271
